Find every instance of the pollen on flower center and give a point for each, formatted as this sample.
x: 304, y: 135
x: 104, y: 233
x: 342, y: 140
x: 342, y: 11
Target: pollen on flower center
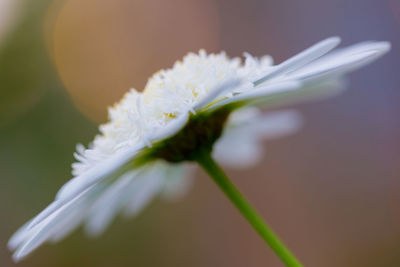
x: 199, y: 134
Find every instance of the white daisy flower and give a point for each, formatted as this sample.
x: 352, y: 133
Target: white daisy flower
x: 142, y: 151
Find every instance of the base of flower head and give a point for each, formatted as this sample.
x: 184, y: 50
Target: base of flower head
x: 199, y: 134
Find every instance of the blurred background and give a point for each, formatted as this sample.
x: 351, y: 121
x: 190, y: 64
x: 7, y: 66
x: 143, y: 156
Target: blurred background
x: 331, y: 191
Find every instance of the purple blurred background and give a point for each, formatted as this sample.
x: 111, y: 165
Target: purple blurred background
x: 331, y: 191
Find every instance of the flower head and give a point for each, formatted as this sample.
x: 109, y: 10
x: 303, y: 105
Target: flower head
x: 205, y: 101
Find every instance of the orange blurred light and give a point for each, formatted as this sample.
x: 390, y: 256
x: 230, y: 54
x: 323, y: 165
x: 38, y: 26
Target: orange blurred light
x: 102, y: 48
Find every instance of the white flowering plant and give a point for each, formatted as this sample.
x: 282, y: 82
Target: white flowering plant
x: 206, y: 106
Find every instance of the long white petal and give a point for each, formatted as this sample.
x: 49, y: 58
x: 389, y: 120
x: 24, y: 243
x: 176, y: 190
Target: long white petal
x: 313, y: 90
x: 42, y: 231
x: 347, y: 51
x: 109, y: 204
x: 259, y: 93
x: 178, y: 180
x: 18, y: 237
x: 171, y: 128
x: 343, y: 61
x: 302, y: 58
x: 33, y: 240
x: 106, y: 168
x: 240, y: 145
x: 151, y: 184
x: 70, y: 223
x: 78, y: 184
x: 77, y: 214
x: 213, y: 94
x: 236, y: 152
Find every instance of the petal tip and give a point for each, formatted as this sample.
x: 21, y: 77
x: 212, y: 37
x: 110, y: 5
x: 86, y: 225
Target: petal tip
x: 383, y: 46
x: 334, y: 40
x: 18, y: 256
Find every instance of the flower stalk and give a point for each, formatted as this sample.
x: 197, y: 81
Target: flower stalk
x: 219, y: 177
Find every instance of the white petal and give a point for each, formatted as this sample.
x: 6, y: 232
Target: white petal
x: 278, y: 124
x: 18, y: 237
x: 302, y: 58
x: 52, y: 207
x: 367, y: 46
x: 109, y: 204
x: 151, y: 183
x: 171, y: 128
x: 259, y: 92
x: 240, y: 145
x: 78, y: 184
x: 213, y: 94
x: 33, y: 240
x: 76, y: 216
x: 234, y: 152
x: 42, y: 231
x: 178, y: 180
x: 70, y: 223
x: 101, y: 171
x: 310, y: 91
x: 342, y: 61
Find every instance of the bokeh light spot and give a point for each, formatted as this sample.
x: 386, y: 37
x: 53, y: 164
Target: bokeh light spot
x: 102, y: 48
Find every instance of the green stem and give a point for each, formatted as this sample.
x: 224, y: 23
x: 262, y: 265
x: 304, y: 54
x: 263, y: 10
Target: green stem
x: 211, y: 167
